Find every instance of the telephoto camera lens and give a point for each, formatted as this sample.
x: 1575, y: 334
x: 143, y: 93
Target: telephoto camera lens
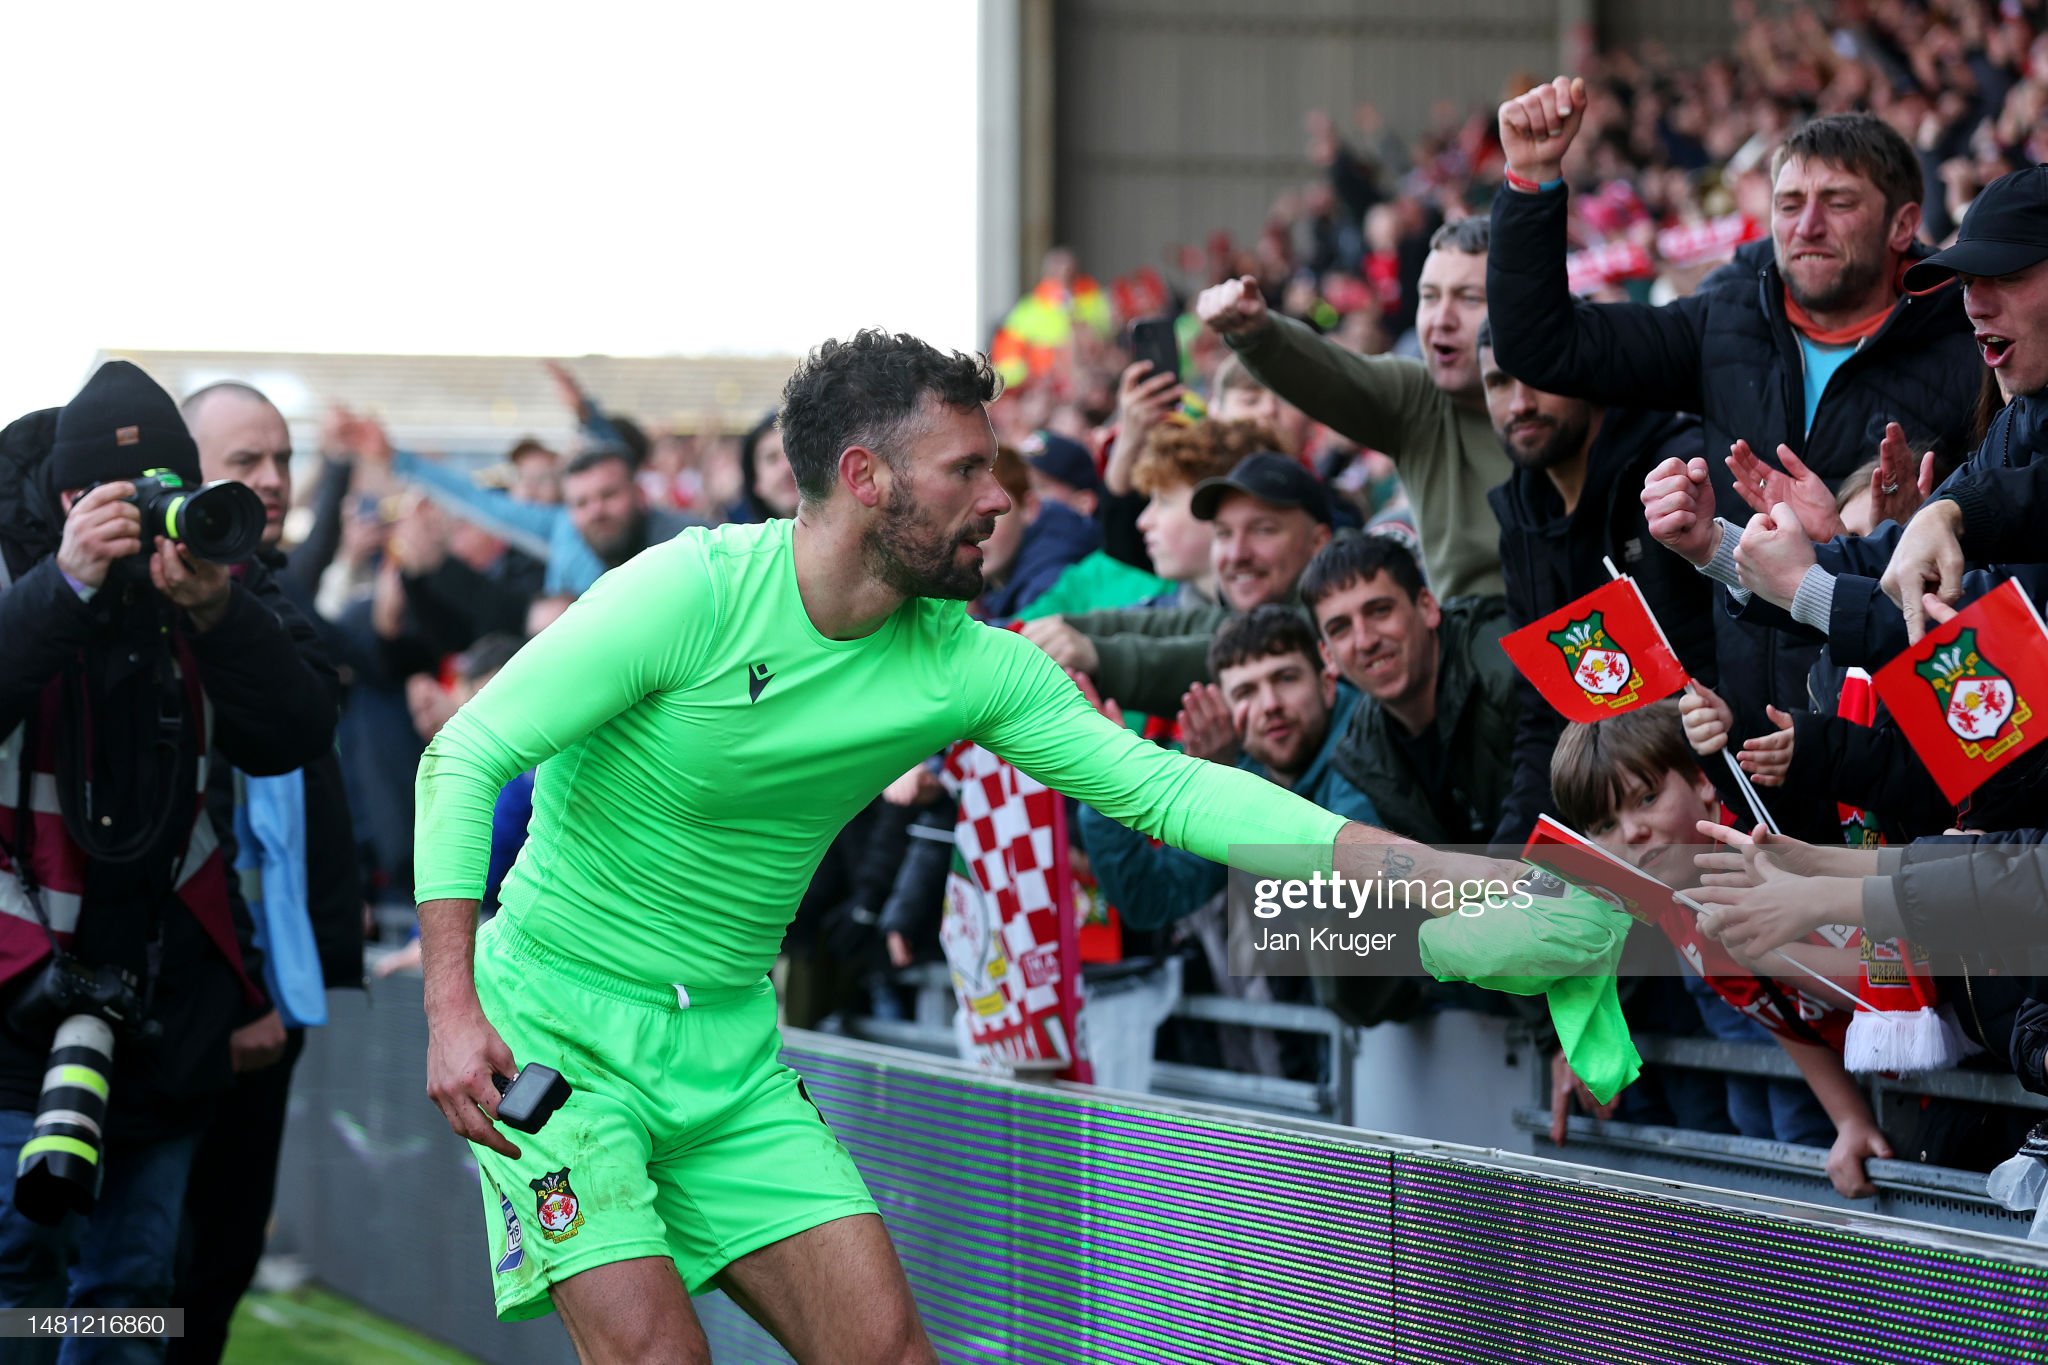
x: 221, y: 521
x: 60, y: 1163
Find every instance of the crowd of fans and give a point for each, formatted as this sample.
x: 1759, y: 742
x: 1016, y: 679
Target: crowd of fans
x: 1299, y: 550
x: 1667, y: 319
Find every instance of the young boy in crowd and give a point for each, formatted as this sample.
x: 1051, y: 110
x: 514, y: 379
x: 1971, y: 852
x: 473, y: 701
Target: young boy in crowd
x: 1632, y: 784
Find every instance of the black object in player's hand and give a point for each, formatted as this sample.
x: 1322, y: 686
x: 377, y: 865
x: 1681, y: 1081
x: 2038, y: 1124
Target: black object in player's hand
x: 528, y: 1100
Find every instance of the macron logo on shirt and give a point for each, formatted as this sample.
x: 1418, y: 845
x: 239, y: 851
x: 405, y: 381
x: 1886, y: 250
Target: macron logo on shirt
x: 758, y: 678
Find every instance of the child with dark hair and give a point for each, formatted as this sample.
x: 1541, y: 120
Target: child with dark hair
x: 1632, y: 784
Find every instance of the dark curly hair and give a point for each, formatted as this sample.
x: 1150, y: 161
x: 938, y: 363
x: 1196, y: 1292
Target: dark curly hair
x: 1261, y: 633
x: 867, y: 391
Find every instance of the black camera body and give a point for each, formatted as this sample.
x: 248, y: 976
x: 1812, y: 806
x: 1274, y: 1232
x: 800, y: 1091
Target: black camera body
x: 220, y: 521
x: 66, y: 986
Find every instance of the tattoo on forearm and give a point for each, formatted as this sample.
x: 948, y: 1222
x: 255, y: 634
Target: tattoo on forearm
x: 1397, y: 863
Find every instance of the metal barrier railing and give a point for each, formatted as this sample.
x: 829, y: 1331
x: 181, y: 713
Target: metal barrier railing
x: 1328, y: 1097
x: 1052, y: 1225
x: 1055, y: 1225
x: 1940, y: 1193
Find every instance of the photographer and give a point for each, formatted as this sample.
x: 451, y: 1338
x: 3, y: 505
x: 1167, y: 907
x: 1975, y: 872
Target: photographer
x: 294, y: 848
x: 127, y: 658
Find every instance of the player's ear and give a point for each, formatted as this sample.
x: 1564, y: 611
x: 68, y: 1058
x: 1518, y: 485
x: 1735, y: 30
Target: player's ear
x: 865, y: 474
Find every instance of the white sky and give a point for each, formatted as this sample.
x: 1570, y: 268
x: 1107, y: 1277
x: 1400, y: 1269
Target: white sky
x: 628, y: 179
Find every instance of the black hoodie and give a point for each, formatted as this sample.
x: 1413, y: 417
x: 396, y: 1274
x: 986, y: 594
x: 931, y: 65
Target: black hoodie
x: 1549, y: 558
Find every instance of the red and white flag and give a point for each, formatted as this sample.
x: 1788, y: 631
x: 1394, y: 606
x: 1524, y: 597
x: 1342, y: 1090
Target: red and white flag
x: 1599, y: 656
x: 1967, y: 696
x: 1008, y: 929
x: 1558, y: 848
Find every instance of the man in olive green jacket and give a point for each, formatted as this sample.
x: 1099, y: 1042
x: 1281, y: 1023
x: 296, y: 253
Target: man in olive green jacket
x: 1271, y: 517
x: 1428, y: 416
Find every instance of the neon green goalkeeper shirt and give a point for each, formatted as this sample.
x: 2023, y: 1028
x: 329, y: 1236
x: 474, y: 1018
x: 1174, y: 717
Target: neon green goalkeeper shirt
x: 700, y: 744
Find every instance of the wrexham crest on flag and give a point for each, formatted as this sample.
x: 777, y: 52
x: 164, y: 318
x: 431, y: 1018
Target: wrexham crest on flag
x: 559, y: 1211
x: 1597, y: 663
x: 1979, y: 703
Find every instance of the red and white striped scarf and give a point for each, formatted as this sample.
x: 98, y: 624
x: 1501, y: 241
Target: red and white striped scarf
x: 58, y: 866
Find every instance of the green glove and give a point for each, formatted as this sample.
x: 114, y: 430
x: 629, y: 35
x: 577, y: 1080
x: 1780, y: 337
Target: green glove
x: 1565, y: 945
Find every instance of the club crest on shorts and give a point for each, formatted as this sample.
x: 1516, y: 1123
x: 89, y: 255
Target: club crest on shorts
x: 559, y: 1211
x: 1596, y: 662
x: 1975, y: 698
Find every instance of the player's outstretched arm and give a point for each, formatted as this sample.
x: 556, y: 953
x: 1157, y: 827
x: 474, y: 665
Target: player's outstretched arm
x: 1036, y: 718
x: 638, y: 632
x: 1367, y: 853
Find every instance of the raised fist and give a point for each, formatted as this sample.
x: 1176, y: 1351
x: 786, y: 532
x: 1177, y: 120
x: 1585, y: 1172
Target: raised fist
x: 1234, y: 307
x: 1537, y: 128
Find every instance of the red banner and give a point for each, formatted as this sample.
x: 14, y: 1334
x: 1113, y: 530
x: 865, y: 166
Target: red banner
x: 1966, y: 695
x: 1599, y: 266
x: 1598, y: 656
x: 1699, y: 243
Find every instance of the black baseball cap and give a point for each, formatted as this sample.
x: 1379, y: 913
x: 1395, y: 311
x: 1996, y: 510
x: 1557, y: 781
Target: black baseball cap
x: 2005, y: 231
x: 1277, y: 479
x: 1058, y: 457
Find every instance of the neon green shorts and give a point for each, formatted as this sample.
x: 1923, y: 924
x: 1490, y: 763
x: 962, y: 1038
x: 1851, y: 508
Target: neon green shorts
x: 686, y: 1136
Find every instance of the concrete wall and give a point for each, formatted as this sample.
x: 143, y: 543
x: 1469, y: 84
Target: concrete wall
x: 1174, y: 118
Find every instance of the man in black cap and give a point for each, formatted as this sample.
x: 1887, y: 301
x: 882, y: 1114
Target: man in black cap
x: 127, y: 658
x: 1271, y: 516
x: 1063, y: 471
x: 1993, y: 508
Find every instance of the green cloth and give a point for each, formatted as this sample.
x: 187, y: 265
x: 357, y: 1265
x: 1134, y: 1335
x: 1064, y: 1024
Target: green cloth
x: 700, y: 744
x: 1447, y: 453
x: 1095, y: 583
x: 1565, y: 946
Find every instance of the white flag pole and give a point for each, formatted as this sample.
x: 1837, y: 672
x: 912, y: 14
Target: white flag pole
x: 1742, y: 782
x: 1689, y: 903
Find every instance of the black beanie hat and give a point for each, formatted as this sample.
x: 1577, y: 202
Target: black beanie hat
x: 121, y: 423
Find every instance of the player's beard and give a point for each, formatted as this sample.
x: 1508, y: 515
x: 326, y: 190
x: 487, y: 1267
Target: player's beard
x: 917, y: 558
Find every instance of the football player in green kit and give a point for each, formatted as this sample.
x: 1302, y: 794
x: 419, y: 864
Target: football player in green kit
x: 704, y: 721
